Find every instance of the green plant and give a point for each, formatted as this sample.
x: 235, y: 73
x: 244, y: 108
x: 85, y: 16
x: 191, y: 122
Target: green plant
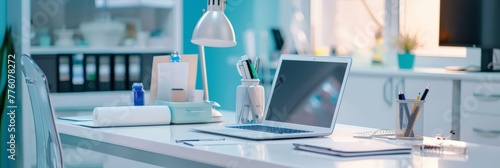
x: 407, y: 42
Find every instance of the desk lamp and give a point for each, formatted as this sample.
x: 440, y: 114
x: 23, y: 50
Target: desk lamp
x: 213, y: 30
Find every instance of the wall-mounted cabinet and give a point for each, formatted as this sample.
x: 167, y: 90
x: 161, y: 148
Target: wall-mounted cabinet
x: 106, y: 26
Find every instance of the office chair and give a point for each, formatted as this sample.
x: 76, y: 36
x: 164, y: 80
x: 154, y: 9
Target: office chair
x: 48, y: 144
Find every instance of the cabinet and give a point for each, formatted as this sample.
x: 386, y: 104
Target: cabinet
x: 364, y: 103
x: 368, y: 101
x: 150, y: 26
x: 480, y: 112
x: 142, y: 28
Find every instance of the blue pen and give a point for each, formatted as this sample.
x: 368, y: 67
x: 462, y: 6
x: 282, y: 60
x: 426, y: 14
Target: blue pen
x: 405, y: 105
x: 400, y: 97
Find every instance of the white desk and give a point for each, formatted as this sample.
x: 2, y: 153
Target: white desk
x: 156, y: 145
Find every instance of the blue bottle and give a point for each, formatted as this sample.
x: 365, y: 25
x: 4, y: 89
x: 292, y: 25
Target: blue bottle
x: 137, y: 94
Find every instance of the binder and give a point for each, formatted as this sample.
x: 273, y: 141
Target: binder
x: 104, y: 73
x: 134, y: 70
x: 90, y: 66
x: 119, y: 72
x: 64, y: 73
x: 146, y: 69
x: 77, y: 77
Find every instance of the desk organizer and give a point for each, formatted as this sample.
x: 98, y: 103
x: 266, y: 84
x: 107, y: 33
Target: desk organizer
x: 188, y: 112
x: 410, y: 119
x: 249, y: 102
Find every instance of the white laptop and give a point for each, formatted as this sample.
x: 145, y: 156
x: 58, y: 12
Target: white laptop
x: 304, y: 100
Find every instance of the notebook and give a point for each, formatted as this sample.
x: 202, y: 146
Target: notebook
x: 354, y: 149
x: 304, y: 100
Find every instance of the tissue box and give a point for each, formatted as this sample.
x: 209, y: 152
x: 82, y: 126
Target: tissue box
x: 188, y: 112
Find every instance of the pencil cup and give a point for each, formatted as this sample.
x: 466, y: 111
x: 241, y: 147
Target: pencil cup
x: 249, y: 102
x: 409, y: 119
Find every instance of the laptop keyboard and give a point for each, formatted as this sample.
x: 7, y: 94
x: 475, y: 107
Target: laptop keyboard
x: 263, y: 128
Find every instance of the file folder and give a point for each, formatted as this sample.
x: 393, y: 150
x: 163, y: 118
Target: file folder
x: 119, y: 72
x: 134, y: 70
x: 77, y: 77
x: 90, y: 65
x: 64, y: 73
x: 104, y: 71
x: 146, y: 69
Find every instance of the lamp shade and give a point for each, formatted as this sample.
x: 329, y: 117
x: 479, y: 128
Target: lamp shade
x: 214, y: 29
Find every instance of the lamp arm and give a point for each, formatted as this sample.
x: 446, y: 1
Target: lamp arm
x: 203, y: 72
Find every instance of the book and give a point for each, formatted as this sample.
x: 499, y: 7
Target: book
x: 64, y: 73
x: 77, y: 73
x: 119, y: 72
x: 104, y: 72
x: 355, y: 149
x: 134, y: 70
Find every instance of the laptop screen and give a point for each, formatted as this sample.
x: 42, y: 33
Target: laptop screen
x: 306, y: 92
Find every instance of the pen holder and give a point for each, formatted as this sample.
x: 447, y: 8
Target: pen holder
x: 409, y: 119
x: 249, y: 102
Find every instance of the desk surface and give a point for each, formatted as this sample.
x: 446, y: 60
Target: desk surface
x: 160, y: 142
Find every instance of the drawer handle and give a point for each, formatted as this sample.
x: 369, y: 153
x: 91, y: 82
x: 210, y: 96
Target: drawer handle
x: 487, y: 95
x: 196, y: 111
x: 487, y: 132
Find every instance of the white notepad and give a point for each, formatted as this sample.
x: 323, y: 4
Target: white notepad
x: 351, y: 149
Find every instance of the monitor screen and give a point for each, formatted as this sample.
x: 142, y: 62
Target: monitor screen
x: 470, y: 23
x: 306, y: 92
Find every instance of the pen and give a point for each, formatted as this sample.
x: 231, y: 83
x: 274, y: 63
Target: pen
x: 244, y: 69
x: 254, y: 103
x: 425, y: 92
x: 212, y: 139
x: 415, y: 110
x: 405, y: 105
x: 257, y: 64
x: 251, y: 69
x: 400, y: 96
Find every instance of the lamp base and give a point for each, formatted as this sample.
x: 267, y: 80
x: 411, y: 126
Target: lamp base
x: 216, y: 115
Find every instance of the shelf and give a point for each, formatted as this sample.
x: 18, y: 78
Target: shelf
x: 100, y: 50
x: 135, y: 3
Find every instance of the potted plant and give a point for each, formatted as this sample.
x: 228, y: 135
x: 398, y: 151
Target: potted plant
x: 406, y: 43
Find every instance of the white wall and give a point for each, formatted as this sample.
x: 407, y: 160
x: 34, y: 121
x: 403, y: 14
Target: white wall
x: 346, y: 25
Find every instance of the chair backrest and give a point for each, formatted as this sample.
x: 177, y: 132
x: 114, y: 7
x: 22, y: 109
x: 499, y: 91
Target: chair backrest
x: 48, y: 144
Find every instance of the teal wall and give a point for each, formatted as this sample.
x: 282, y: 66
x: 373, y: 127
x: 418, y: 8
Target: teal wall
x: 3, y: 18
x: 223, y: 78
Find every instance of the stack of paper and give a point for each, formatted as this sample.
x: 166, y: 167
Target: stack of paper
x: 351, y: 149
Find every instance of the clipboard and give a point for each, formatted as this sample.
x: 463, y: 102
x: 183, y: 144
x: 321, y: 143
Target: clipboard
x: 191, y: 60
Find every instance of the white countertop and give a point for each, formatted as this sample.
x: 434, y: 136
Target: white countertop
x: 275, y: 153
x: 431, y: 73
